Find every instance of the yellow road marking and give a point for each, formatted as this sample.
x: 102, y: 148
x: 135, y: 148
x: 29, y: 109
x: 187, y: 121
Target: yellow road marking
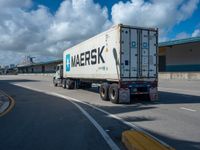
x: 137, y: 140
x: 11, y: 104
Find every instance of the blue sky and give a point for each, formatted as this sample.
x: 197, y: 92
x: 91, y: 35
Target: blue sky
x: 188, y: 26
x: 45, y: 28
x: 54, y: 4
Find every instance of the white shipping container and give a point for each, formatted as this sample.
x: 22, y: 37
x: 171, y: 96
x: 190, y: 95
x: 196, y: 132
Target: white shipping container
x: 119, y: 54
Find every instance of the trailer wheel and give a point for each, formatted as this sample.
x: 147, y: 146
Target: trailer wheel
x: 64, y: 83
x: 70, y: 84
x: 103, y: 91
x: 114, y: 93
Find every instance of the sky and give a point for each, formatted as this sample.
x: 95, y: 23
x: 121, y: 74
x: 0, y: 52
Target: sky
x: 45, y: 28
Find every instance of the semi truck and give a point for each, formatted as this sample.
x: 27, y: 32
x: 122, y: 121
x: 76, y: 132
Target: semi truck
x: 121, y: 61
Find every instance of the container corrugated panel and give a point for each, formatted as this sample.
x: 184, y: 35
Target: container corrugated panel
x: 122, y: 52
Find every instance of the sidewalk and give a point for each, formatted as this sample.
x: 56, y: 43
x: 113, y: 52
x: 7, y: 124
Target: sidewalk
x: 4, y: 102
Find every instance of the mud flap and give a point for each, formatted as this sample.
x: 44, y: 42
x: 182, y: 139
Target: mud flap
x: 124, y: 95
x: 153, y: 94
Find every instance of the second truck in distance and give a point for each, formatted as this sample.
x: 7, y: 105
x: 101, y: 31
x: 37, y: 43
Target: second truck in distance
x: 121, y: 61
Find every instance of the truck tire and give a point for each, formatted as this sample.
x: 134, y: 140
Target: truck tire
x: 114, y: 93
x: 70, y: 84
x: 103, y: 91
x: 54, y: 82
x: 64, y: 84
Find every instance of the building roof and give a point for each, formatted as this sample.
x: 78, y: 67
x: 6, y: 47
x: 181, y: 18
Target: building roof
x: 48, y: 62
x: 178, y: 42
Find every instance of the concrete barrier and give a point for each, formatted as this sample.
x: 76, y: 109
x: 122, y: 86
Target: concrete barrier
x: 194, y: 76
x: 164, y: 76
x: 161, y: 75
x: 179, y: 75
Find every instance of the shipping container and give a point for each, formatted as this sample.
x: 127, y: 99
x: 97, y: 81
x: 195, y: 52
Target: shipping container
x: 122, y: 61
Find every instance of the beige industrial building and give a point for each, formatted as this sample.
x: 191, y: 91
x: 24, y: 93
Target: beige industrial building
x: 43, y: 67
x: 180, y: 55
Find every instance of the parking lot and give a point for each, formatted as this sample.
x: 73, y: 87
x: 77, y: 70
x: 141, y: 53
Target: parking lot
x: 55, y: 116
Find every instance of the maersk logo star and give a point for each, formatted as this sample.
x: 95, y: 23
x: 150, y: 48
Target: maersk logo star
x: 68, y: 62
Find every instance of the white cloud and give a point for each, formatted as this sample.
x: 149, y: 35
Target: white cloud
x: 39, y: 32
x: 8, y: 57
x: 154, y: 13
x: 196, y: 33
x: 78, y: 20
x: 15, y: 3
x: 182, y: 35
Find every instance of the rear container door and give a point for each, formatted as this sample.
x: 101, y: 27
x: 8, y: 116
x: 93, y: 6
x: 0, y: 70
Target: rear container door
x: 144, y: 55
x: 138, y: 53
x: 125, y: 53
x: 134, y: 53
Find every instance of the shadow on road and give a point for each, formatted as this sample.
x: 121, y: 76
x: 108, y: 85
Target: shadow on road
x: 178, y: 144
x: 164, y: 98
x: 42, y: 121
x: 173, y: 98
x: 19, y: 80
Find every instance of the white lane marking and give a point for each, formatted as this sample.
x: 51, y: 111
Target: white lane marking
x: 4, y: 106
x: 187, y: 109
x: 106, y: 137
x: 99, y: 109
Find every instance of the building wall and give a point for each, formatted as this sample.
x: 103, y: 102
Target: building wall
x: 22, y: 69
x: 50, y: 68
x: 162, y: 59
x: 184, y: 57
x: 36, y: 69
x: 183, y: 54
x: 40, y: 68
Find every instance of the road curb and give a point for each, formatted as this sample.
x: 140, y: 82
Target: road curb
x: 9, y: 106
x: 137, y: 140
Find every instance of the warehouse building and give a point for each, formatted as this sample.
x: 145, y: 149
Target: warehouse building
x: 43, y: 67
x: 180, y: 55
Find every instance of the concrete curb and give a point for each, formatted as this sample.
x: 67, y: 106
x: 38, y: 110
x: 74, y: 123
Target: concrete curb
x: 179, y: 75
x: 6, y: 104
x: 137, y: 140
x: 193, y: 76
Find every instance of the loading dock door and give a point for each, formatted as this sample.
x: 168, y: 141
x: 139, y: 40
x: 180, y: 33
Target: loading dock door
x: 162, y: 63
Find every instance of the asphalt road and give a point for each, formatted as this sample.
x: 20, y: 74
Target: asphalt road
x: 45, y: 117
